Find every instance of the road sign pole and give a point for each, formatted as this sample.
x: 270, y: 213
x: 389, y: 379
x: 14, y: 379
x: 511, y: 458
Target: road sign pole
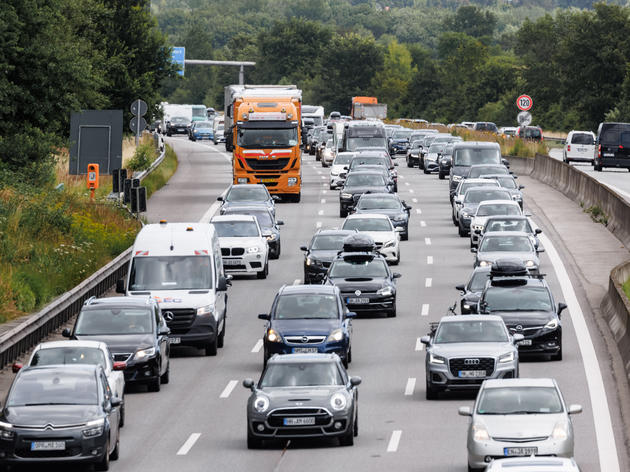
x: 241, y: 75
x: 138, y: 127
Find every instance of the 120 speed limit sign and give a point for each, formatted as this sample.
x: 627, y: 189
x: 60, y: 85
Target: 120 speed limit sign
x: 524, y: 102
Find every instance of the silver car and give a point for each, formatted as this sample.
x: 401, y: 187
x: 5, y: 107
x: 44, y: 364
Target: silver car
x: 518, y: 417
x: 487, y: 209
x: 528, y: 464
x: 465, y: 350
x: 507, y: 244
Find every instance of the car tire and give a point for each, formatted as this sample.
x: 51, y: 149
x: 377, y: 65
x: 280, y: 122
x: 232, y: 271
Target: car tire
x: 420, y: 164
x: 221, y: 340
x: 345, y: 361
x: 425, y: 170
x: 409, y: 163
x: 405, y: 236
x: 441, y: 176
x: 265, y: 358
x: 356, y: 423
x: 430, y: 392
x: 343, y: 213
x: 454, y: 219
x: 392, y: 313
x: 348, y: 438
x: 252, y: 441
x: 211, y: 348
x: 166, y: 376
x: 263, y: 273
x: 397, y: 261
x: 349, y: 356
x: 597, y: 168
x: 461, y: 231
x: 121, y: 421
x: 472, y: 469
x: 154, y: 385
x: 103, y: 464
x: 116, y: 452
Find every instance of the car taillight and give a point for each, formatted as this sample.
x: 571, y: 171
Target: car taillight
x: 568, y: 147
x: 599, y: 151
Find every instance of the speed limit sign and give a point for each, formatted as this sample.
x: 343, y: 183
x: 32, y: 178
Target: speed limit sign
x: 524, y: 102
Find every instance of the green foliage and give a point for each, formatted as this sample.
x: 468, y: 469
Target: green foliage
x: 143, y: 157
x: 626, y: 288
x: 158, y: 178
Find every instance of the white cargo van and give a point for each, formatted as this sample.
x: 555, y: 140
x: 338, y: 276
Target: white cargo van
x: 179, y: 264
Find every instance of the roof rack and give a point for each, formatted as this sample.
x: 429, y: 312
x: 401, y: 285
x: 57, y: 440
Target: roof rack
x: 511, y: 272
x: 359, y: 243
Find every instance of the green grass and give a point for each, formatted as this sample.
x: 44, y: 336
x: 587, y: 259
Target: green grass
x: 158, y: 178
x: 626, y: 288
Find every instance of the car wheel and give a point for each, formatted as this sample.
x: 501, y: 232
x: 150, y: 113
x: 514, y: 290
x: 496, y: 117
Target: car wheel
x: 211, y: 348
x: 349, y: 356
x: 405, y: 236
x: 409, y: 164
x: 103, y: 464
x: 317, y: 157
x: 116, y: 452
x: 348, y: 438
x: 558, y: 356
x: 392, y: 312
x: 265, y: 358
x: 426, y: 171
x: 263, y: 273
x: 356, y: 423
x: 252, y: 441
x: 154, y: 385
x: 420, y: 164
x: 221, y: 340
x: 597, y: 168
x: 121, y: 421
x: 166, y: 376
x: 343, y: 213
x: 454, y: 219
x: 345, y: 361
x: 461, y: 231
x: 472, y: 469
x: 430, y: 392
x: 441, y: 176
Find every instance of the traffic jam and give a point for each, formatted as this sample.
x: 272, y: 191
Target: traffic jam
x: 177, y: 294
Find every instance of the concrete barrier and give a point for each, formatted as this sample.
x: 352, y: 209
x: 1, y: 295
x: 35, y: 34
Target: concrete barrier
x: 615, y: 308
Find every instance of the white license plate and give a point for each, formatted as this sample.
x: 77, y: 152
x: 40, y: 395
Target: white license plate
x: 520, y: 451
x: 231, y: 262
x: 175, y: 340
x: 472, y: 373
x: 48, y: 446
x: 358, y: 301
x: 180, y: 129
x: 524, y: 342
x: 305, y: 350
x: 581, y: 149
x: 307, y: 421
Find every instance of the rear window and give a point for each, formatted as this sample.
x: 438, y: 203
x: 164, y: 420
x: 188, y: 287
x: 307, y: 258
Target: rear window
x: 582, y: 138
x: 615, y: 134
x: 471, y: 156
x: 531, y: 133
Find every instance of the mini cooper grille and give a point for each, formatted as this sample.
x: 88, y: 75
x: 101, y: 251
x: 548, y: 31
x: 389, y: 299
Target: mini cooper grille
x: 276, y: 417
x: 469, y: 363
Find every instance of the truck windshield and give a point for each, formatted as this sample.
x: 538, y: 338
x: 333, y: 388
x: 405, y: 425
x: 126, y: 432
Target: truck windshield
x: 170, y: 273
x: 267, y: 138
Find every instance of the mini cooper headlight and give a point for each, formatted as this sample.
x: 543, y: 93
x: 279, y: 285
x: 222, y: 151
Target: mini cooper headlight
x: 338, y: 401
x: 261, y: 404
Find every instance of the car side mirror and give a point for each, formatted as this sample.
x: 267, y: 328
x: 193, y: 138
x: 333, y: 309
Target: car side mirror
x: 303, y: 248
x: 165, y: 331
x: 280, y: 223
x: 396, y: 275
x: 275, y: 198
x: 264, y: 316
x: 461, y: 287
x: 540, y: 249
x: 517, y: 337
x: 15, y: 368
x: 505, y: 162
x: 351, y: 314
x: 115, y: 402
x: 223, y: 283
x: 345, y: 167
x: 458, y: 200
x: 426, y: 340
x: 561, y: 307
x: 249, y: 383
x: 66, y: 333
x: 464, y: 411
x: 574, y: 409
x: 120, y: 286
x: 219, y: 199
x: 119, y: 365
x: 538, y: 231
x: 473, y: 249
x: 521, y: 187
x: 354, y: 381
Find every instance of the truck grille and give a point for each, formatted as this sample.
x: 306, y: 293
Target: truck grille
x: 268, y: 164
x: 183, y: 318
x: 485, y: 363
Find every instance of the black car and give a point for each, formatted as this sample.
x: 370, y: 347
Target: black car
x: 399, y: 142
x: 319, y: 254
x: 388, y: 204
x: 303, y: 396
x: 612, y: 146
x: 471, y: 290
x: 308, y: 319
x: 445, y: 161
x: 527, y: 306
x: 366, y: 283
x: 486, y: 126
x: 413, y: 153
x: 470, y: 153
x: 177, y: 125
x: 135, y: 332
x: 268, y: 224
x: 471, y: 200
x: 57, y: 414
x: 357, y: 183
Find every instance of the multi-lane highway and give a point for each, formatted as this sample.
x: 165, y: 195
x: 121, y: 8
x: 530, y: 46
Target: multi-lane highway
x: 198, y: 422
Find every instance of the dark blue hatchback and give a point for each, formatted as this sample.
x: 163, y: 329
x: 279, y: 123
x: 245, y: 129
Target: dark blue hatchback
x: 308, y: 319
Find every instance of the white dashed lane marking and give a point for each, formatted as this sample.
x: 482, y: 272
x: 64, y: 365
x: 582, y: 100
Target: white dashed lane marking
x: 318, y: 224
x: 320, y: 212
x: 423, y: 223
x: 228, y: 389
x: 394, y: 441
x: 429, y: 260
x: 418, y: 211
x: 258, y: 346
x: 428, y: 282
x: 419, y: 345
x: 427, y: 241
x: 411, y: 385
x: 425, y: 306
x: 187, y: 446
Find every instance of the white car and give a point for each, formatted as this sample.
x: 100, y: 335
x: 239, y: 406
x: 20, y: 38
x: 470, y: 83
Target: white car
x: 81, y: 353
x: 579, y: 146
x: 508, y: 131
x: 489, y: 208
x: 529, y: 464
x: 380, y: 228
x: 339, y: 167
x: 328, y: 153
x: 244, y: 249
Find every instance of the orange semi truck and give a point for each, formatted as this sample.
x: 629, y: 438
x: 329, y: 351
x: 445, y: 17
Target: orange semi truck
x: 264, y: 134
x: 368, y: 108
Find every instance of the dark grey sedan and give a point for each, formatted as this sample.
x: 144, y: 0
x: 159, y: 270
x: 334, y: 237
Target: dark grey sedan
x: 386, y: 204
x: 302, y: 396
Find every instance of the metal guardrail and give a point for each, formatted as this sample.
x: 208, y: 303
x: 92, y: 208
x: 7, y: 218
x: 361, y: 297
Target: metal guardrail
x: 37, y: 326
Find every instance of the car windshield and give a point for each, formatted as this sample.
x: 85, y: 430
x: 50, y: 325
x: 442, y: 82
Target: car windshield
x: 342, y: 159
x: 486, y: 170
x: 472, y: 156
x: 464, y: 186
x: 328, y: 242
x: 531, y: 132
x: 263, y: 216
x: 170, y: 273
x: 436, y: 148
x: 498, y: 209
x: 509, y: 225
x: 378, y: 203
x: 471, y: 332
x: 306, y: 374
x: 306, y: 306
x: 506, y: 244
x: 478, y: 280
x: 267, y: 137
x: 236, y: 229
x: 368, y: 224
x: 368, y: 161
x: 402, y: 133
x: 100, y: 321
x: 53, y: 387
x: 247, y: 194
x: 477, y: 196
x: 203, y: 124
x: 517, y: 299
x: 582, y: 138
x: 361, y: 269
x: 519, y: 401
x: 179, y: 120
x: 365, y: 180
x: 506, y: 182
x: 68, y: 355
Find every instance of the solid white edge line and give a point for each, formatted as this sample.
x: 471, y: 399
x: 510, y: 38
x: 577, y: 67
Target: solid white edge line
x: 429, y: 260
x: 207, y: 216
x: 258, y: 346
x: 428, y: 282
x: 394, y: 440
x: 410, y: 387
x: 425, y: 307
x: 228, y: 389
x: 606, y: 446
x: 419, y: 345
x: 187, y: 446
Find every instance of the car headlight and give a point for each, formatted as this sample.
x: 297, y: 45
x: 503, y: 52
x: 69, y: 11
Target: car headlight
x: 205, y: 310
x: 6, y: 431
x: 271, y: 237
x: 338, y: 401
x: 273, y: 336
x: 143, y: 353
x: 480, y: 433
x: 509, y: 357
x: 465, y: 214
x: 485, y: 263
x: 433, y: 359
x: 253, y: 250
x: 346, y: 196
x: 457, y: 178
x: 530, y: 264
x: 335, y: 336
x: 292, y: 181
x: 390, y: 243
x: 385, y: 292
x: 553, y: 324
x: 261, y: 404
x: 560, y: 431
x: 94, y: 428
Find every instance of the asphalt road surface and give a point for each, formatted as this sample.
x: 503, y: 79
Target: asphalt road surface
x: 198, y: 421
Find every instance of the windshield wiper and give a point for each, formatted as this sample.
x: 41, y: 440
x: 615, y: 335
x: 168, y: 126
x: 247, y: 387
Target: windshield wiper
x: 521, y: 412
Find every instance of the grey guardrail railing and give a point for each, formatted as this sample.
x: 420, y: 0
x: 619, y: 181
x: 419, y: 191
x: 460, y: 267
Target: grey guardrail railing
x: 615, y: 307
x: 37, y: 326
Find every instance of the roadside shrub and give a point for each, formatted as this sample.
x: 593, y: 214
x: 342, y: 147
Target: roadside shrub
x: 143, y: 157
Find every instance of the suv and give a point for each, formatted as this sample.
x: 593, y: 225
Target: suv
x: 527, y: 306
x: 486, y: 126
x: 612, y: 146
x: 530, y: 133
x: 579, y: 146
x: 462, y: 352
x: 470, y: 153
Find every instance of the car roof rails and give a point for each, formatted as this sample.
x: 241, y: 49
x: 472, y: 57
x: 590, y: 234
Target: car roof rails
x: 90, y: 300
x: 359, y: 243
